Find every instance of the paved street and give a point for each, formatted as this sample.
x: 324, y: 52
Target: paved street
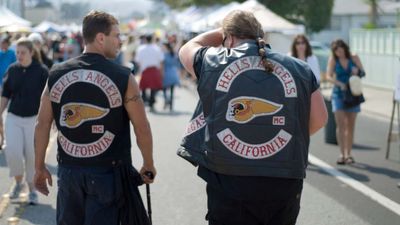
x: 178, y: 195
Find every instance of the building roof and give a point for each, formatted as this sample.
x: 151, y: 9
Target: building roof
x: 360, y: 7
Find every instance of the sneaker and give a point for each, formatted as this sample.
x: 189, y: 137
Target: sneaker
x: 16, y: 190
x: 33, y: 198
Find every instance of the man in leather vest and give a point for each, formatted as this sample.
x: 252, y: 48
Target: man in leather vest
x: 259, y: 109
x: 92, y: 100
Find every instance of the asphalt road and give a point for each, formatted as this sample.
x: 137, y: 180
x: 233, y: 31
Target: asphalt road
x: 178, y: 195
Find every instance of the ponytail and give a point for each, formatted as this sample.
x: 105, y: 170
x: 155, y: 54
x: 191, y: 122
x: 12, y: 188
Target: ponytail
x: 261, y: 51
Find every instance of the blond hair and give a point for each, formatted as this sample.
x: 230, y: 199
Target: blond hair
x: 244, y: 25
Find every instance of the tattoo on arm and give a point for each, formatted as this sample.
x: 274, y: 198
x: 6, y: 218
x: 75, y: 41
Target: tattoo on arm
x: 135, y: 98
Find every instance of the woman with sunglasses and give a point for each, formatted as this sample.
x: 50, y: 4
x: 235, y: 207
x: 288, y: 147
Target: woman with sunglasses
x: 341, y: 66
x: 301, y: 49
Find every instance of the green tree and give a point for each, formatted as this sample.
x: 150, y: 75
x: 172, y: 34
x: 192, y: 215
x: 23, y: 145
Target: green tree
x: 314, y: 14
x: 373, y: 13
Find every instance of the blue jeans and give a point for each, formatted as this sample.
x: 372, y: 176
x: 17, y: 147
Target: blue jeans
x: 86, y: 196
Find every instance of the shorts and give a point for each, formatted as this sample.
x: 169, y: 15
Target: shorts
x: 338, y: 105
x: 86, y: 196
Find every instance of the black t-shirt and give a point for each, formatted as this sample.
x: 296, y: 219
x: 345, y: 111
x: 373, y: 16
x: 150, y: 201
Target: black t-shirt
x: 24, y: 86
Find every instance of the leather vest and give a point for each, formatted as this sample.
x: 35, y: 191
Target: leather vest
x: 193, y: 146
x: 257, y: 123
x: 87, y: 96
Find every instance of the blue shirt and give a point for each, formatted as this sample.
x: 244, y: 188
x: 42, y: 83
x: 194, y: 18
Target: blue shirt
x: 6, y: 59
x: 343, y: 75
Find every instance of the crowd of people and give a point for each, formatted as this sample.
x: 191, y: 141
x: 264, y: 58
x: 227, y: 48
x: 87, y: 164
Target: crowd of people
x: 25, y: 63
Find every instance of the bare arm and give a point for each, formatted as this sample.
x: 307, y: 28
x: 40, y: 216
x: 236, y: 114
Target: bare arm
x: 318, y: 112
x: 188, y: 51
x: 42, y: 133
x: 134, y: 106
x: 3, y: 106
x: 358, y: 63
x: 330, y: 73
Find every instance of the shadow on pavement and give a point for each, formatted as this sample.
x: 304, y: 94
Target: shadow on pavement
x: 364, y: 147
x: 316, y: 169
x: 355, y: 175
x: 378, y: 170
x: 352, y: 174
x: 39, y: 214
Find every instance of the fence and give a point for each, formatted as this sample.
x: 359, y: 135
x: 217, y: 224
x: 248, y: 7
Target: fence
x: 379, y: 51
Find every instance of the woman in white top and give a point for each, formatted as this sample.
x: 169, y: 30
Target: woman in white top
x: 301, y: 49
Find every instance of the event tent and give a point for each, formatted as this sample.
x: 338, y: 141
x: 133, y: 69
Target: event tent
x: 47, y: 26
x: 8, y: 18
x: 270, y: 21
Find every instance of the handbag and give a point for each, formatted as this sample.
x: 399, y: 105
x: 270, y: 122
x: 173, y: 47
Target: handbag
x: 355, y: 85
x: 349, y: 100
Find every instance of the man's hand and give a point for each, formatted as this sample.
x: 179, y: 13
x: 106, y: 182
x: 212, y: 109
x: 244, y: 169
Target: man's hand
x: 148, y: 168
x: 42, y: 177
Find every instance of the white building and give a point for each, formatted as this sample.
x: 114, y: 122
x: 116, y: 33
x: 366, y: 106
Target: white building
x: 349, y: 14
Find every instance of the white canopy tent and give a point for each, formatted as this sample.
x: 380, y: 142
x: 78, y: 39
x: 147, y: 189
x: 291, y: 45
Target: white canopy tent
x: 47, y: 26
x: 270, y: 21
x: 8, y: 18
x: 214, y: 18
x: 280, y: 32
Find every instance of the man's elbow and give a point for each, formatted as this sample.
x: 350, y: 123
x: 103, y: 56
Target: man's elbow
x: 318, y: 123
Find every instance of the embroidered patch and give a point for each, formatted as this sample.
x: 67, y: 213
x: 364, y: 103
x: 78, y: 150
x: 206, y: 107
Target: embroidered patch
x: 231, y: 72
x: 74, y: 114
x: 87, y: 76
x: 97, y: 129
x: 86, y: 150
x: 278, y: 120
x: 254, y: 151
x: 195, y: 124
x: 243, y: 109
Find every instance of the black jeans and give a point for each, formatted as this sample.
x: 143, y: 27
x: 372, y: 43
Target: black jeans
x: 86, y: 196
x: 240, y: 200
x: 169, y: 100
x: 223, y: 210
x: 152, y: 98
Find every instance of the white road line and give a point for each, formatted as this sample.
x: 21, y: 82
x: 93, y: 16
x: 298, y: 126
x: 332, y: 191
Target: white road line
x: 381, y: 199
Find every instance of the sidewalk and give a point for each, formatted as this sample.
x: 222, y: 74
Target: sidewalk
x: 378, y: 102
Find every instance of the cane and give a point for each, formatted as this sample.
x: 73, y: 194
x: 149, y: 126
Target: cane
x: 150, y: 175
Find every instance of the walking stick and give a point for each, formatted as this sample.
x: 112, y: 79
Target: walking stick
x: 151, y: 176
